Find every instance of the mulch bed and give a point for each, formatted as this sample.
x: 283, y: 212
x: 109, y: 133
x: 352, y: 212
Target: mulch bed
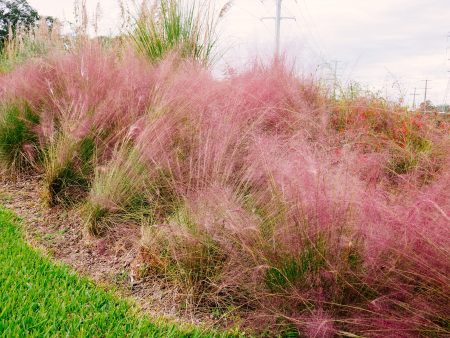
x: 107, y: 260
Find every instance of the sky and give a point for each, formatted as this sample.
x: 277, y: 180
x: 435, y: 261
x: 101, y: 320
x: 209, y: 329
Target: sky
x: 390, y: 46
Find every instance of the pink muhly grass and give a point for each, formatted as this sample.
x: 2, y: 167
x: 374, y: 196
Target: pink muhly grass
x: 86, y: 90
x: 318, y: 325
x: 253, y: 195
x: 253, y: 179
x: 406, y: 250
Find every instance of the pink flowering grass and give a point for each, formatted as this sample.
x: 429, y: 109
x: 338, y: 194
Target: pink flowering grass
x: 259, y: 198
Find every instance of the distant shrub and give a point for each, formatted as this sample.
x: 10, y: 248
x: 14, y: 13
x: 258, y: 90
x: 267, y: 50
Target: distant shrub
x: 410, y: 143
x: 31, y: 42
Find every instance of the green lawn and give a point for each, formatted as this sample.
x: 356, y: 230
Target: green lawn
x: 39, y: 298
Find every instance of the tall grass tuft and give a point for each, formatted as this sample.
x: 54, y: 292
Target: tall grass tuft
x: 187, y: 28
x: 32, y: 42
x: 116, y: 190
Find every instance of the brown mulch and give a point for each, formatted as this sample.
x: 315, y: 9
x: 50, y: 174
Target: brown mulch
x: 108, y: 260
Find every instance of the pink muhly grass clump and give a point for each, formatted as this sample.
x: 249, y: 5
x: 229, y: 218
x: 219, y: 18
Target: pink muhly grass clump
x: 255, y: 193
x: 406, y: 257
x: 288, y: 223
x: 219, y: 150
x: 85, y: 91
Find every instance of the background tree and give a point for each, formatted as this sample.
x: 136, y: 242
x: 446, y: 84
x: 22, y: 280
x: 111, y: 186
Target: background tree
x: 443, y: 108
x: 14, y: 13
x: 427, y: 106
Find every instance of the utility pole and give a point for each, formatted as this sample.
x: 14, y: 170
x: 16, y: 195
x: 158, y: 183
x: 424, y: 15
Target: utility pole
x: 336, y: 63
x: 425, y: 95
x: 332, y: 67
x: 448, y: 71
x: 426, y: 91
x: 414, y: 98
x: 278, y: 18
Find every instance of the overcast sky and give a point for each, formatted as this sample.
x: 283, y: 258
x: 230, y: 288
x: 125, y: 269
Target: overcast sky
x: 388, y: 45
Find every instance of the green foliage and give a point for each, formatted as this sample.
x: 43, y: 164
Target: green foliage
x: 173, y: 26
x: 16, y: 124
x: 68, y: 168
x: 20, y: 50
x: 125, y: 189
x: 94, y: 214
x: 355, y: 258
x: 407, y: 156
x: 40, y: 299
x: 292, y: 270
x: 184, y: 254
x: 201, y: 266
x: 116, y: 186
x: 269, y: 214
x: 163, y: 199
x: 290, y: 331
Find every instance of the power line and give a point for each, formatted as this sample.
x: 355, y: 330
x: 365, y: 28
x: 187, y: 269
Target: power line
x: 311, y: 27
x: 315, y: 48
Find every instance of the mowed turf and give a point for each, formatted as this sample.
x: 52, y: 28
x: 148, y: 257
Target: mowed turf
x: 39, y: 298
